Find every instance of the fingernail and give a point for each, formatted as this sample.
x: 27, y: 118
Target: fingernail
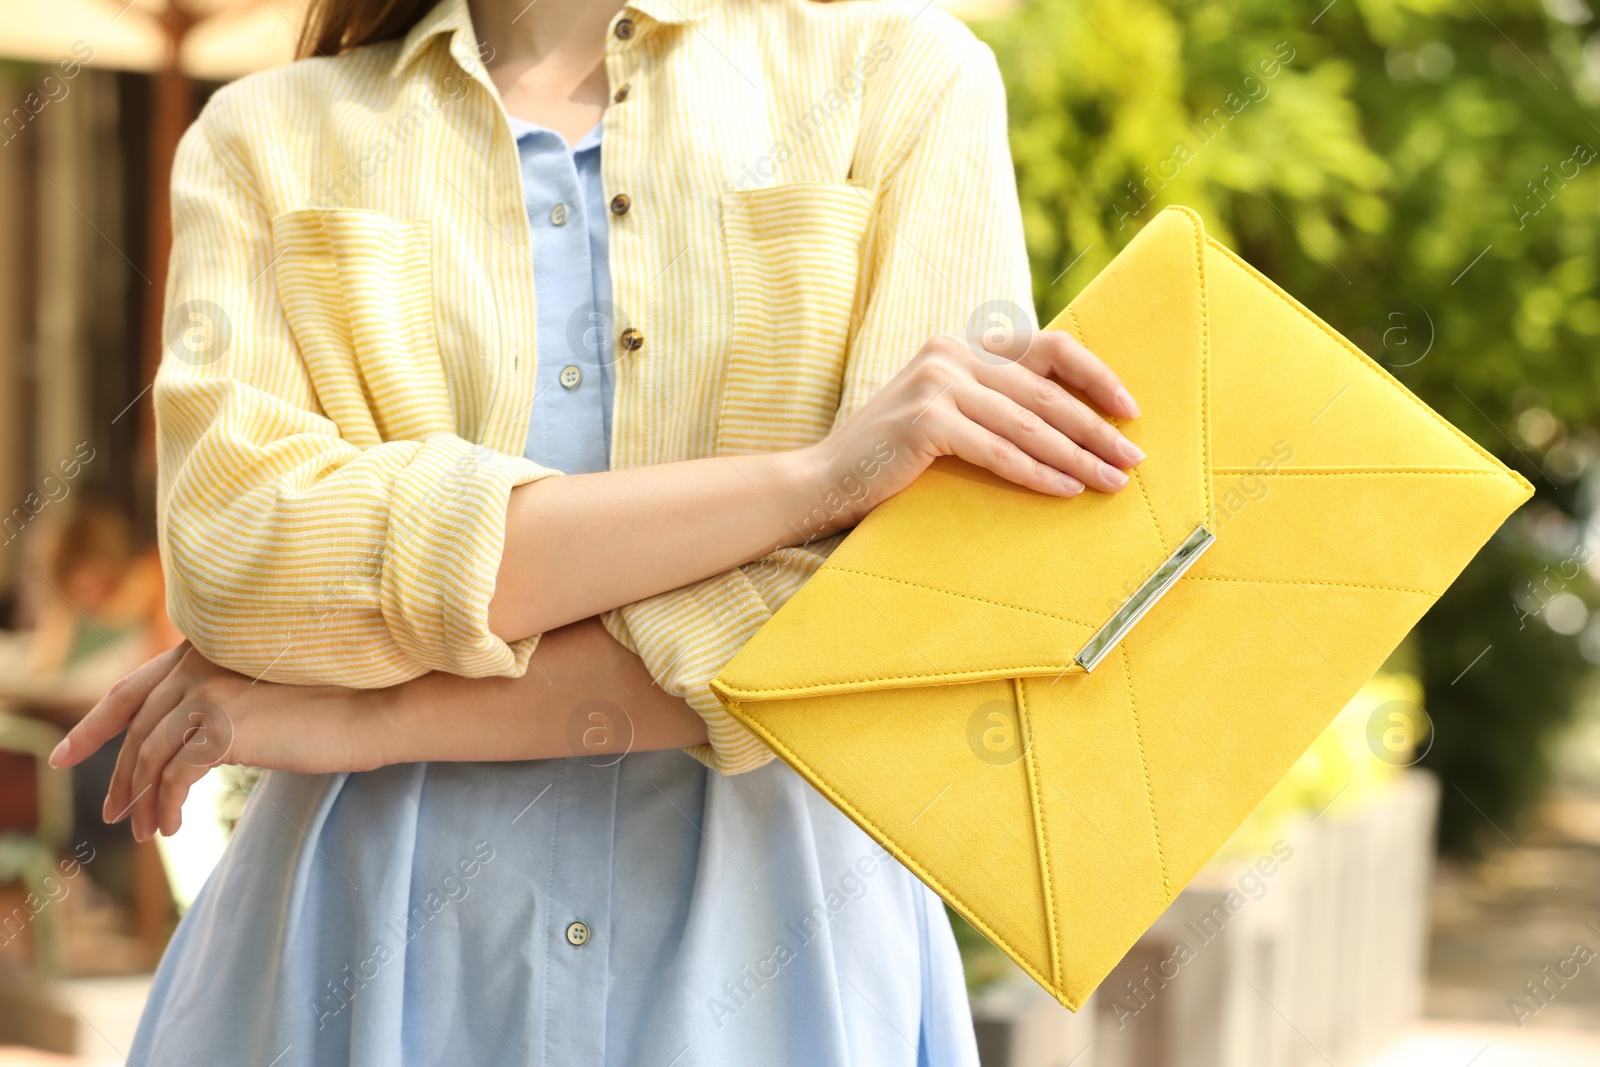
x: 1125, y: 398
x: 1112, y: 475
x: 59, y: 753
x: 1069, y: 484
x: 105, y: 809
x: 1131, y: 452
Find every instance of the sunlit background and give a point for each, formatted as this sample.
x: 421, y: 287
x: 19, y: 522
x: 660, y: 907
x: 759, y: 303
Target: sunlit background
x: 1424, y: 886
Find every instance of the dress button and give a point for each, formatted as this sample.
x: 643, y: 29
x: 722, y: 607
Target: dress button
x: 558, y: 215
x: 571, y: 377
x: 577, y: 934
x: 632, y: 339
x: 624, y: 29
x: 621, y: 94
x: 620, y: 204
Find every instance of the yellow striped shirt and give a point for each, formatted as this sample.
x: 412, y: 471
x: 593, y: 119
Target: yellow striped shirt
x: 811, y: 190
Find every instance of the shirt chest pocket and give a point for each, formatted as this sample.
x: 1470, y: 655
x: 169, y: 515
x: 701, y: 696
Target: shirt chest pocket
x: 357, y: 290
x: 794, y: 257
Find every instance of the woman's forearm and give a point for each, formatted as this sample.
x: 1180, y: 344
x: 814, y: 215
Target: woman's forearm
x: 583, y: 544
x: 584, y: 694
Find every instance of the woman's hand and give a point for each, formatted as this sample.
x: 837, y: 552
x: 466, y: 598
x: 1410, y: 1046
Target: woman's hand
x: 584, y: 695
x: 185, y: 715
x: 1005, y: 408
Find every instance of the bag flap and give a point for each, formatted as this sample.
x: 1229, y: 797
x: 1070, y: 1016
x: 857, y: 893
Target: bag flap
x: 964, y: 575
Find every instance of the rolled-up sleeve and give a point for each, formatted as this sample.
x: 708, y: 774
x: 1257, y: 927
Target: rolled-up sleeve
x: 298, y: 546
x: 945, y: 246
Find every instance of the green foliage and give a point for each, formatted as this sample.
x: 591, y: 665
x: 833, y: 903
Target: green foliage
x: 1423, y: 174
x: 1494, y: 714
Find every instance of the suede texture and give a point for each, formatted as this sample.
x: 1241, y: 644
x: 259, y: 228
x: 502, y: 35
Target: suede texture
x: 923, y: 679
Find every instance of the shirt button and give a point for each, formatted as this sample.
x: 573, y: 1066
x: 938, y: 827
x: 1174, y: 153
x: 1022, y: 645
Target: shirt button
x: 632, y: 339
x: 621, y: 94
x: 620, y: 204
x: 558, y: 215
x: 577, y: 934
x: 570, y: 377
x: 624, y: 29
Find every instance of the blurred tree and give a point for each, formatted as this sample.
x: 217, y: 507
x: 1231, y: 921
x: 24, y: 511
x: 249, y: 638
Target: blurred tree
x: 1500, y: 679
x: 1425, y: 175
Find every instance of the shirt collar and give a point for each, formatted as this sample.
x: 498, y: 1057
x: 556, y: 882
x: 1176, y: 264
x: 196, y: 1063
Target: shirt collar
x: 444, y: 18
x: 448, y: 16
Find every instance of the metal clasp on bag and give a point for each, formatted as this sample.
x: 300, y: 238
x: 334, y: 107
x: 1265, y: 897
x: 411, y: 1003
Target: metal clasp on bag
x: 1144, y: 598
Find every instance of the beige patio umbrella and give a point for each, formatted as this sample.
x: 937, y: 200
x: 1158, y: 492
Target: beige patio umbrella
x: 242, y: 37
x: 118, y: 36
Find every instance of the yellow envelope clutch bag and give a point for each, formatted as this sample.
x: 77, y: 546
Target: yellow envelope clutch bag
x: 1055, y: 711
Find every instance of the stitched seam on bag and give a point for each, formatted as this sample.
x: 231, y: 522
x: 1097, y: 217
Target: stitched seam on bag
x: 1161, y: 537
x: 1149, y: 789
x: 1362, y: 471
x: 947, y: 677
x: 970, y: 913
x: 1314, y: 581
x: 1073, y: 315
x: 964, y: 596
x: 1362, y: 358
x: 1205, y: 363
x: 1032, y: 767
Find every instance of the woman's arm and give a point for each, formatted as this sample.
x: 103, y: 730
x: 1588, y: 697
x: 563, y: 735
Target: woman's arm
x: 305, y: 544
x: 584, y: 695
x: 658, y: 527
x: 587, y: 543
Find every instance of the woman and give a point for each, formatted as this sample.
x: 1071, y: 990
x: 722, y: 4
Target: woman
x: 724, y: 312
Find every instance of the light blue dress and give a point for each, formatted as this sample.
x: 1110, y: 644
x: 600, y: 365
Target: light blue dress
x: 632, y: 912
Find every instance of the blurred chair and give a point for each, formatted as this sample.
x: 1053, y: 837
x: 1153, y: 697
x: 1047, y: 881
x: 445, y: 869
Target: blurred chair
x: 35, y: 821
